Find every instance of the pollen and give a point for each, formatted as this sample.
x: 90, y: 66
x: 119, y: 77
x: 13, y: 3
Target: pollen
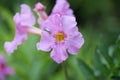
x: 60, y: 37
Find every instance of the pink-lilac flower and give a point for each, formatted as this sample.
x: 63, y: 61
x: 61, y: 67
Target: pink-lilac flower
x: 24, y: 24
x: 4, y: 69
x: 63, y: 36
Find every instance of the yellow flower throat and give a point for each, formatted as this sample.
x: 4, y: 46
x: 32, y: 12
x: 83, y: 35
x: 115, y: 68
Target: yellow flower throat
x: 60, y: 36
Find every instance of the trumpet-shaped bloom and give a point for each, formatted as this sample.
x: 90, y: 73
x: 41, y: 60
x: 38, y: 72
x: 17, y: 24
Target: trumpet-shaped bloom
x: 62, y: 36
x: 24, y: 22
x: 4, y: 69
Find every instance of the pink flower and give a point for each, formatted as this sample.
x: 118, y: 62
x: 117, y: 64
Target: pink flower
x: 4, y: 69
x: 61, y: 33
x: 62, y: 36
x: 24, y: 24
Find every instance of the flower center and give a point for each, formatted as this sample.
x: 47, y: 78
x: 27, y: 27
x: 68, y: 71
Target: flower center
x: 60, y: 36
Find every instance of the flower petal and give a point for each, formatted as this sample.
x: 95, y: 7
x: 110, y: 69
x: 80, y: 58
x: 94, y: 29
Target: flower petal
x: 25, y: 9
x: 59, y: 53
x: 20, y: 36
x: 69, y: 23
x: 63, y: 8
x: 75, y: 43
x: 53, y: 23
x: 27, y: 18
x: 17, y: 18
x: 10, y: 47
x: 45, y: 42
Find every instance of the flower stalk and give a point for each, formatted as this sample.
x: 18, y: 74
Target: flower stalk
x: 65, y: 71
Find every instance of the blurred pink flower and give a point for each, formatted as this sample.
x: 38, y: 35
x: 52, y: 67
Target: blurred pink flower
x: 4, y: 69
x: 24, y: 24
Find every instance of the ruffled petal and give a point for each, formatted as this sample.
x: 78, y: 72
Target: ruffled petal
x: 63, y: 8
x: 53, y: 23
x: 69, y: 23
x: 17, y: 18
x: 25, y: 9
x: 59, y: 53
x: 74, y: 37
x: 10, y: 47
x: 75, y: 43
x: 27, y: 17
x: 45, y: 42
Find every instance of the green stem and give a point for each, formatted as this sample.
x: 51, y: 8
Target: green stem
x: 65, y: 71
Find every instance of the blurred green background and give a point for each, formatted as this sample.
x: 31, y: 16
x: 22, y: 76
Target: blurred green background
x: 98, y: 59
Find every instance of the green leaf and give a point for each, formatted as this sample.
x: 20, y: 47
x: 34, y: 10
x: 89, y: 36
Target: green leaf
x: 117, y: 51
x: 87, y: 71
x: 102, y: 50
x: 99, y: 65
x: 103, y: 59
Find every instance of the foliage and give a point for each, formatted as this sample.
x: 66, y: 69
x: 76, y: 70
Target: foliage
x: 106, y: 62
